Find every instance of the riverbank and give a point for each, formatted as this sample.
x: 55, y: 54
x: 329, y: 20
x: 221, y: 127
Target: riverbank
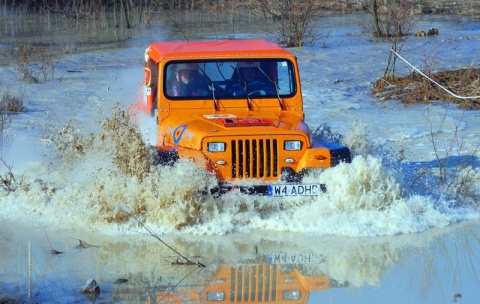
x: 467, y: 7
x: 405, y: 252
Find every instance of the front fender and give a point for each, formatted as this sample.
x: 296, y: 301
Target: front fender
x: 324, y: 155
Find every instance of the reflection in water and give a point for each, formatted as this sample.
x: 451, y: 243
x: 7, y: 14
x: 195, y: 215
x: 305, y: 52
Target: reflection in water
x: 251, y: 283
x: 250, y: 267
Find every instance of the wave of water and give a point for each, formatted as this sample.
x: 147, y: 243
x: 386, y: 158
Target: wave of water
x: 105, y: 186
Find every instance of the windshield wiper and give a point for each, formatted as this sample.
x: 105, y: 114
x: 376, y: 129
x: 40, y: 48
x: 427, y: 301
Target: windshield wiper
x: 245, y: 89
x: 215, y: 103
x: 280, y: 101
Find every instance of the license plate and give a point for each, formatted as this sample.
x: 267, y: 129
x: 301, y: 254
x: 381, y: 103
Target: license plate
x: 295, y: 258
x: 295, y: 190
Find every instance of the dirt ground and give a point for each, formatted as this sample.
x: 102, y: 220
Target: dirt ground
x: 416, y: 88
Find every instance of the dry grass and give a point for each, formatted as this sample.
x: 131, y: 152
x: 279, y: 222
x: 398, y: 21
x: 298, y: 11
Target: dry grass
x: 11, y: 104
x: 8, y: 181
x: 415, y: 88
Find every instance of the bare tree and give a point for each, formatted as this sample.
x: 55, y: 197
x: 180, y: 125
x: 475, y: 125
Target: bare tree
x: 294, y: 18
x: 391, y: 18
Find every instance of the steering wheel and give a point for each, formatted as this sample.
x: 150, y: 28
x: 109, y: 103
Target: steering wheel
x: 260, y: 92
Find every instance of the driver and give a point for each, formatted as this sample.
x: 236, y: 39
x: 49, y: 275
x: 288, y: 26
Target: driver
x: 251, y: 80
x: 188, y: 81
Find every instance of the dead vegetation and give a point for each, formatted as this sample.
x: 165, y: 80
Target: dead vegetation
x: 415, y: 88
x: 293, y: 19
x: 391, y: 18
x: 9, y: 106
x: 11, y: 103
x: 83, y: 245
x: 31, y: 60
x: 8, y: 181
x: 92, y: 8
x: 52, y: 251
x: 180, y: 258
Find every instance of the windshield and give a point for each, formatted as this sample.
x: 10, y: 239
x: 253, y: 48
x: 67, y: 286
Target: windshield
x: 265, y: 78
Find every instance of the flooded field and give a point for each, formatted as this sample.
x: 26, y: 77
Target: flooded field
x: 430, y: 267
x: 384, y: 232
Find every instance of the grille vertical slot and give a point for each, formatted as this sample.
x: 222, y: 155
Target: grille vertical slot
x: 254, y: 158
x: 253, y: 283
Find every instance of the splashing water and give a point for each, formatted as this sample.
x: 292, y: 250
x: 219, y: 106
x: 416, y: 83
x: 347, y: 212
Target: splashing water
x: 107, y: 182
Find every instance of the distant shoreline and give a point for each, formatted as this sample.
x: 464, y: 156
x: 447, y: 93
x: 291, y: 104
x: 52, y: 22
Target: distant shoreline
x: 434, y: 7
x: 427, y: 7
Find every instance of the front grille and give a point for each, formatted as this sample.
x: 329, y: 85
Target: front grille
x: 253, y: 283
x: 254, y: 158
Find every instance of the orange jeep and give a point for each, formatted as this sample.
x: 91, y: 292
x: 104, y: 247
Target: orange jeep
x: 235, y: 107
x: 251, y: 283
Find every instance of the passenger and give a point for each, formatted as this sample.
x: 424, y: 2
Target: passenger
x: 249, y: 71
x: 188, y: 81
x: 250, y: 80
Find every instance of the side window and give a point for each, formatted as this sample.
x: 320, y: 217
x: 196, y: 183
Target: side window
x: 170, y: 76
x: 186, y: 80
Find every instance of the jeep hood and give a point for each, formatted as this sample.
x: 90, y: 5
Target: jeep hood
x: 189, y: 132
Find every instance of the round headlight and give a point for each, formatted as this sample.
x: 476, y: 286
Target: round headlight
x: 216, y: 147
x: 215, y: 296
x: 291, y: 295
x: 292, y: 145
